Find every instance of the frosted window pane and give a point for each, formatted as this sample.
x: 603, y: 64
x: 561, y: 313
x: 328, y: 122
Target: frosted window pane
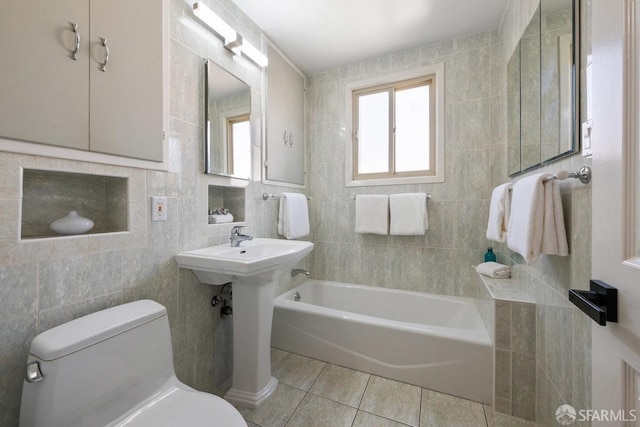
x: 373, y: 133
x: 242, y: 149
x: 412, y: 129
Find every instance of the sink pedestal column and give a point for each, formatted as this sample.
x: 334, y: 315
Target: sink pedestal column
x: 252, y: 318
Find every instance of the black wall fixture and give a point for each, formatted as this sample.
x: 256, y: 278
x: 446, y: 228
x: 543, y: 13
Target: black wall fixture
x: 600, y: 302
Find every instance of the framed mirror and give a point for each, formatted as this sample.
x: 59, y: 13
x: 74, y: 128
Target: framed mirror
x: 542, y: 88
x: 228, y: 126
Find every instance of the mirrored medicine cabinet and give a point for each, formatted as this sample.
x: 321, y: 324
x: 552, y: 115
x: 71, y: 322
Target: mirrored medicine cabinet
x: 543, y: 88
x: 228, y: 123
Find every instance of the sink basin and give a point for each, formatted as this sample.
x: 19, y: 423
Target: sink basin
x: 252, y: 267
x: 255, y: 260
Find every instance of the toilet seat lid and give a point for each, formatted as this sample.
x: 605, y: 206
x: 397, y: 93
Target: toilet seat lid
x: 180, y: 407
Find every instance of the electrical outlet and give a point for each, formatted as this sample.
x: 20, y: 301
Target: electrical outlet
x: 158, y: 209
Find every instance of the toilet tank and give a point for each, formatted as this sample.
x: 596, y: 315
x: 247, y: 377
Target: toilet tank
x: 98, y: 367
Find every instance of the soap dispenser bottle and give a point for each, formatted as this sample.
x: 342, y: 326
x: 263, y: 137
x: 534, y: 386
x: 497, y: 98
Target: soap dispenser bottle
x: 489, y: 255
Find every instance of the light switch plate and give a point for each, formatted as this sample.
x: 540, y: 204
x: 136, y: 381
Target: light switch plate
x: 158, y: 209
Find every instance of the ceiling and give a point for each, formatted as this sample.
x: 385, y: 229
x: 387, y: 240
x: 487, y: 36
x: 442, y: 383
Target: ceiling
x: 320, y: 35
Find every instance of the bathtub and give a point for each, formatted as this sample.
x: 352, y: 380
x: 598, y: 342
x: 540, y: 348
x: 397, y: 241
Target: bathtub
x: 432, y: 341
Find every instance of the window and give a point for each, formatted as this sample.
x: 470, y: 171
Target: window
x: 397, y: 130
x: 239, y: 145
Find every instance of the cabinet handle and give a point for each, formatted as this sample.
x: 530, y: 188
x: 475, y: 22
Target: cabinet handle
x: 284, y: 138
x: 76, y: 48
x: 103, y: 66
x: 290, y: 140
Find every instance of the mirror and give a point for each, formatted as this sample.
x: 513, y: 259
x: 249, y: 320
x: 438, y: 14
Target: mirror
x: 542, y: 120
x: 228, y: 126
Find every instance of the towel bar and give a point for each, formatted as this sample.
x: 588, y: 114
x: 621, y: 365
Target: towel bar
x: 584, y: 175
x: 267, y: 196
x: 428, y: 197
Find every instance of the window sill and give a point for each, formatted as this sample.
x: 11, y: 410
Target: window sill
x: 395, y: 181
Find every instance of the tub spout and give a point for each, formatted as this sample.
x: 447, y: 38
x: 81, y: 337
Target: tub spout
x: 297, y: 271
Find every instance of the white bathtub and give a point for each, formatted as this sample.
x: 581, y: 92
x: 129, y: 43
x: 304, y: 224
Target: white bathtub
x: 432, y: 341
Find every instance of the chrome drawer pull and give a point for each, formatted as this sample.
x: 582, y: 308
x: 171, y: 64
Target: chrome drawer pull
x: 103, y: 66
x: 74, y: 53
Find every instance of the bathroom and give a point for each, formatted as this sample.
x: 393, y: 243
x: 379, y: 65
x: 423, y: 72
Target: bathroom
x: 46, y: 282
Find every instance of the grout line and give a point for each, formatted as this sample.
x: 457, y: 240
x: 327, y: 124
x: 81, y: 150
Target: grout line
x: 364, y: 392
x: 486, y: 419
x: 420, y: 409
x: 296, y: 408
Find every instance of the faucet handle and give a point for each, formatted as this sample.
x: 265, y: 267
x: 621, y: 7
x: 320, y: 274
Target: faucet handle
x: 236, y: 229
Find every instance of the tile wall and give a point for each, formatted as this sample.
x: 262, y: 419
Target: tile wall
x: 49, y: 281
x: 44, y: 283
x: 563, y: 333
x: 440, y: 261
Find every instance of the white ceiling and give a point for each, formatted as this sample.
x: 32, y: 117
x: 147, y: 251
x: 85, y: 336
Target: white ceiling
x: 319, y: 35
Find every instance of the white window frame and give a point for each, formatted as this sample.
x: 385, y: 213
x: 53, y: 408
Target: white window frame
x: 436, y: 70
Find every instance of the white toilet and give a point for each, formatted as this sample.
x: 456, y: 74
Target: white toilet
x: 114, y: 368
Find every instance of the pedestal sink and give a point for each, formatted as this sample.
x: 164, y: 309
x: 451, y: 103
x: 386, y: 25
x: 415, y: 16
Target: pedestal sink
x: 253, y: 267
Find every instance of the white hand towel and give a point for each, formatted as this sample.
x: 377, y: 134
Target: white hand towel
x: 293, y: 218
x: 494, y: 270
x: 554, y: 234
x: 372, y: 214
x: 499, y: 212
x: 408, y: 214
x: 527, y: 216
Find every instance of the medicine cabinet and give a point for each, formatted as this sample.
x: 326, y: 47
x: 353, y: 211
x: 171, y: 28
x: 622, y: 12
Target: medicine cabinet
x: 284, y: 147
x: 228, y: 123
x: 543, y: 88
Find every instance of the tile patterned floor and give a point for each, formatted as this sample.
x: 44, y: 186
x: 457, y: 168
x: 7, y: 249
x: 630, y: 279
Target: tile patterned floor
x: 312, y: 393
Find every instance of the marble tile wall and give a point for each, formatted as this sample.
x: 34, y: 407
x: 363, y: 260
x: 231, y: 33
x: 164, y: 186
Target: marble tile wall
x: 46, y: 282
x: 440, y: 261
x: 563, y: 333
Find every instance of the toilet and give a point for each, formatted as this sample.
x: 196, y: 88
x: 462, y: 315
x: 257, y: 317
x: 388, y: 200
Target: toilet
x: 114, y: 368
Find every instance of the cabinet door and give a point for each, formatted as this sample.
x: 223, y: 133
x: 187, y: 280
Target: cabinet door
x: 277, y: 146
x: 126, y: 104
x: 44, y: 93
x: 296, y: 125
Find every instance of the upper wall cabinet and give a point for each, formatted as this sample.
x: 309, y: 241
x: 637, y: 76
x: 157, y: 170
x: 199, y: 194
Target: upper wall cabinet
x: 284, y: 149
x: 84, y: 75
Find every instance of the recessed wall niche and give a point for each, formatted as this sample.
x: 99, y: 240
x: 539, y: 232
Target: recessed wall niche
x: 49, y: 195
x: 231, y: 198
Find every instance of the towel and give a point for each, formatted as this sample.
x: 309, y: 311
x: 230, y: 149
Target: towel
x: 527, y: 217
x: 293, y: 216
x: 554, y: 234
x: 494, y: 270
x: 220, y: 219
x: 372, y: 214
x: 408, y: 214
x: 499, y: 211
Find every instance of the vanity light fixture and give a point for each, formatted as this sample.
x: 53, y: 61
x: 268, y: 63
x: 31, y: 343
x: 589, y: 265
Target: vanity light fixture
x: 232, y: 40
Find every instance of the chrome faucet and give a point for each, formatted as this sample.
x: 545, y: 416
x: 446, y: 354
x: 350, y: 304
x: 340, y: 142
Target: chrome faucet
x: 297, y: 271
x: 237, y: 237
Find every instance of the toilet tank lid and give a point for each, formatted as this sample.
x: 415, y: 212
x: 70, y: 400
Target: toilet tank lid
x: 93, y: 328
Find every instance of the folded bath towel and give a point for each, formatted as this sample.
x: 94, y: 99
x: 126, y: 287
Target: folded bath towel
x: 499, y: 211
x: 554, y: 234
x: 293, y: 217
x: 220, y: 219
x: 527, y: 217
x: 408, y: 214
x: 494, y: 270
x: 372, y: 214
